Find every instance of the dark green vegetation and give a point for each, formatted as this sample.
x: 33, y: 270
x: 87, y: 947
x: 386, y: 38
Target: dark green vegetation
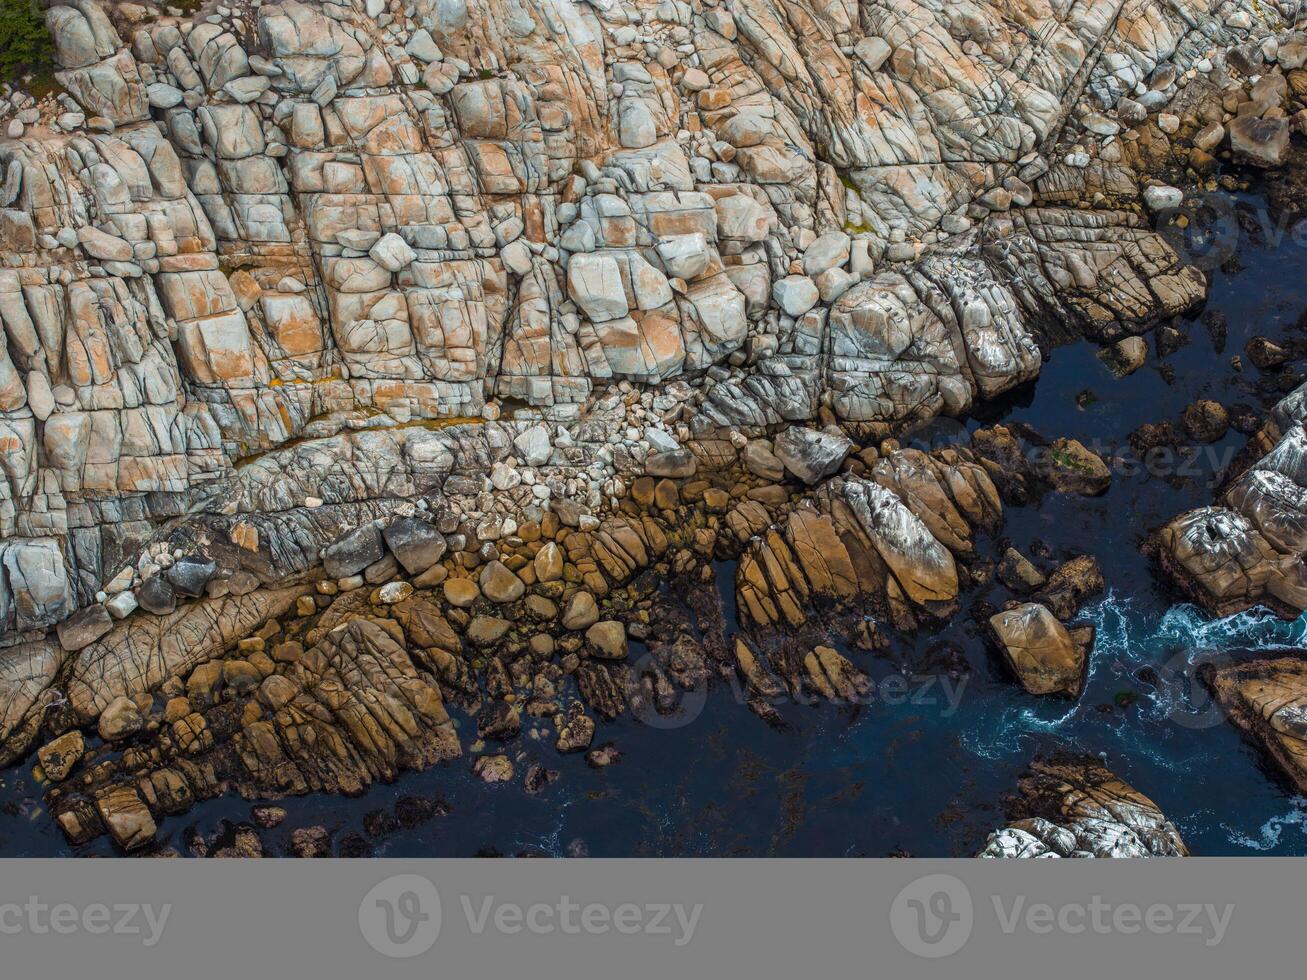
x: 25, y: 45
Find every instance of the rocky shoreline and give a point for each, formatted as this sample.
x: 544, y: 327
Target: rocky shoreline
x: 368, y: 361
x: 1074, y: 808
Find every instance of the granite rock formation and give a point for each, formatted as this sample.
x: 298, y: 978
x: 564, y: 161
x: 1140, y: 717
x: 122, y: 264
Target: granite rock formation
x: 1075, y: 808
x: 1248, y: 548
x: 1267, y: 700
x: 317, y: 309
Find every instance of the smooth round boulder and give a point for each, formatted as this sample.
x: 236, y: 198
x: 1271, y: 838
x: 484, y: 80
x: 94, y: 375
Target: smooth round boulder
x: 582, y: 612
x: 499, y: 584
x: 461, y: 592
x: 120, y: 719
x: 608, y: 640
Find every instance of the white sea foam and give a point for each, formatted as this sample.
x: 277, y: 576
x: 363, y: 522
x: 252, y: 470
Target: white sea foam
x: 1273, y: 830
x: 1003, y: 737
x: 1123, y: 632
x: 1127, y: 640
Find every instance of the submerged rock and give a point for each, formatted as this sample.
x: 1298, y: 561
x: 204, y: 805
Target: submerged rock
x: 1258, y: 141
x: 1069, y: 467
x: 60, y: 756
x: 1018, y: 574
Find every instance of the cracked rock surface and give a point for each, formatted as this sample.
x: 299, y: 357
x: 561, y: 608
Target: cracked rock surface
x: 382, y: 330
x: 1075, y: 808
x: 1248, y: 548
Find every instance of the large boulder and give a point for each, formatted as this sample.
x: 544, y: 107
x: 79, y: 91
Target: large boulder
x: 810, y: 454
x: 126, y: 816
x: 59, y: 756
x: 595, y: 284
x: 607, y: 639
x: 1069, y: 467
x: 1259, y: 142
x: 120, y: 719
x: 1040, y: 650
x: 415, y: 544
x: 190, y: 574
x: 156, y: 595
x: 1267, y: 700
x: 85, y: 627
x: 1072, y: 807
x: 354, y: 551
x: 499, y: 584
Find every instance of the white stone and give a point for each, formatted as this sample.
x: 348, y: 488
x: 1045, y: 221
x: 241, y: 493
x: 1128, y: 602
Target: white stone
x: 684, y: 256
x: 873, y: 52
x: 826, y: 252
x: 796, y: 295
x: 1163, y: 198
x: 163, y: 96
x: 595, y: 284
x: 392, y: 253
x: 122, y: 605
x: 102, y: 245
x: 516, y: 258
x: 504, y: 477
x: 533, y: 445
x: 422, y: 47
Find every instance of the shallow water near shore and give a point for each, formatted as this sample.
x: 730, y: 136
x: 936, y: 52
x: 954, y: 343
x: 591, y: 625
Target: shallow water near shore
x: 924, y: 765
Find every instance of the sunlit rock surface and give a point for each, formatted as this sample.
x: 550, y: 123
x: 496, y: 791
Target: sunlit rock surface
x: 1075, y: 808
x: 277, y: 274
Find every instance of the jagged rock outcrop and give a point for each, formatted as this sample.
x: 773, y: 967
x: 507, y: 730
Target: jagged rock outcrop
x: 312, y: 217
x: 336, y: 716
x: 1249, y: 548
x: 1267, y: 699
x: 890, y: 541
x: 274, y: 276
x: 1076, y: 808
x: 1044, y: 655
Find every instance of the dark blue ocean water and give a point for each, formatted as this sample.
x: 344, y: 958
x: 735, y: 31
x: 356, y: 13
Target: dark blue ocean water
x: 921, y: 768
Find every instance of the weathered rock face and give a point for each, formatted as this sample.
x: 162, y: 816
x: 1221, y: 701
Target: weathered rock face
x: 1268, y: 700
x: 351, y: 709
x: 275, y: 281
x: 1077, y: 808
x: 892, y: 540
x: 310, y: 211
x: 1249, y: 548
x: 1040, y: 650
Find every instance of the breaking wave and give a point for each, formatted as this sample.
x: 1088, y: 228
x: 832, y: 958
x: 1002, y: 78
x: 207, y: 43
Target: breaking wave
x: 1132, y: 643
